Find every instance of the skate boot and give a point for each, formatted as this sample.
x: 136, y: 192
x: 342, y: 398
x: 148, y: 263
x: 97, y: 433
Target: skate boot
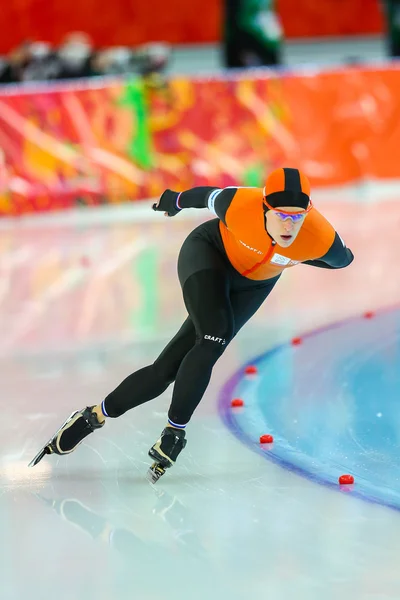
x: 165, y: 452
x: 70, y: 434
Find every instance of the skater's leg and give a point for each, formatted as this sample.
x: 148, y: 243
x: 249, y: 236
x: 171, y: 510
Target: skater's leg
x: 141, y: 386
x: 217, y: 313
x: 206, y: 295
x: 203, y: 274
x: 196, y: 255
x: 151, y: 381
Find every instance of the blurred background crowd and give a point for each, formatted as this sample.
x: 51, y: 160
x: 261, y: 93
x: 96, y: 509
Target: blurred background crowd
x: 76, y: 57
x: 251, y: 31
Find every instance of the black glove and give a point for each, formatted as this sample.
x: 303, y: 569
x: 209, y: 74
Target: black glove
x: 167, y: 203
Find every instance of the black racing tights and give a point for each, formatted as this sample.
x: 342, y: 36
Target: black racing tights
x: 219, y: 302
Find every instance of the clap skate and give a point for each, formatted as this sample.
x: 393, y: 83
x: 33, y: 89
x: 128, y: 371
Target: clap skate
x: 66, y: 439
x: 165, y: 452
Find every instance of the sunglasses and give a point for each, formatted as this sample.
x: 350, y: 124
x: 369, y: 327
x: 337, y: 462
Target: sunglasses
x: 294, y: 216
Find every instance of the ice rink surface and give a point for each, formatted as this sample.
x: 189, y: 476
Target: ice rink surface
x: 87, y: 299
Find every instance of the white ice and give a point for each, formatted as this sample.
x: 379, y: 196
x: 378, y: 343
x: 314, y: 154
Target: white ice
x: 84, y: 301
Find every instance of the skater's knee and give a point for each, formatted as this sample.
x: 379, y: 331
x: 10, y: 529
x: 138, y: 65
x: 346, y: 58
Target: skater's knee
x: 212, y: 346
x: 218, y: 330
x: 215, y: 340
x: 213, y: 343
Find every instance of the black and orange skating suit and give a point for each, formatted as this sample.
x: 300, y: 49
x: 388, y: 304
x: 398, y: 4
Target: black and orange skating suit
x: 227, y: 267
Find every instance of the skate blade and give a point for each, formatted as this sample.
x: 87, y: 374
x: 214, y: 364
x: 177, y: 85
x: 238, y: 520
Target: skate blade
x: 46, y: 449
x: 155, y: 472
x: 41, y: 454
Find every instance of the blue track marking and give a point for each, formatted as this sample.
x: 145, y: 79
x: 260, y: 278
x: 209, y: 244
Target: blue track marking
x: 332, y: 405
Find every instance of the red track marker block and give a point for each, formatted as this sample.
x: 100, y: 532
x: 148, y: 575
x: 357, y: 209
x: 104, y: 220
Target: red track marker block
x: 266, y: 439
x: 251, y: 370
x: 346, y: 479
x: 297, y: 341
x: 237, y: 402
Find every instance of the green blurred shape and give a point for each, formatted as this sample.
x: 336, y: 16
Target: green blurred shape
x: 254, y: 176
x: 145, y: 272
x: 140, y: 147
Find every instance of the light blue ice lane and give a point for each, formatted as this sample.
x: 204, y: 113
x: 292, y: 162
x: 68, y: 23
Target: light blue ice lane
x: 332, y: 404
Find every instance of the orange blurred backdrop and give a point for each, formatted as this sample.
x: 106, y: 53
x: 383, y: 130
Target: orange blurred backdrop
x: 131, y: 22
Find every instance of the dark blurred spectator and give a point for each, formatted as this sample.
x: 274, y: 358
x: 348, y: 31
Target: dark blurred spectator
x: 114, y: 61
x: 252, y: 34
x: 152, y: 58
x: 76, y: 56
x: 41, y: 63
x: 31, y: 61
x: 392, y: 9
x: 18, y: 60
x: 6, y: 73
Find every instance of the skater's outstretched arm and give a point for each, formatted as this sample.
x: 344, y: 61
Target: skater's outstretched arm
x: 337, y: 257
x: 215, y: 199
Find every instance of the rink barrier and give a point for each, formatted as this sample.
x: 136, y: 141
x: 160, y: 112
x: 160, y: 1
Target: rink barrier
x: 110, y: 141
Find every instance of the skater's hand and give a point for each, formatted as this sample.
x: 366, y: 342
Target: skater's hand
x: 168, y: 203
